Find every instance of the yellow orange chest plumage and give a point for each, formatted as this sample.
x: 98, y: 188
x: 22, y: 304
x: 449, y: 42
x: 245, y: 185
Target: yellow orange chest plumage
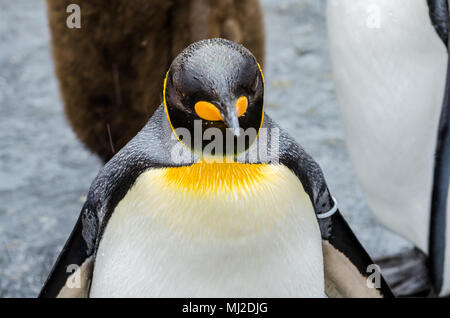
x: 211, y: 230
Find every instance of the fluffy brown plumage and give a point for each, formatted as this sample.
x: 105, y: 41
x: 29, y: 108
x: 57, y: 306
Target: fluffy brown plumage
x: 111, y: 70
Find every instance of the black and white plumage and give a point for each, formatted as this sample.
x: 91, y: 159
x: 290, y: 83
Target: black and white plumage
x: 152, y: 226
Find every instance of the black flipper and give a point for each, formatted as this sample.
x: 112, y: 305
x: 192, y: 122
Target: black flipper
x: 344, y: 240
x: 75, y: 252
x: 440, y: 193
x: 439, y: 14
x: 334, y: 229
x: 149, y: 149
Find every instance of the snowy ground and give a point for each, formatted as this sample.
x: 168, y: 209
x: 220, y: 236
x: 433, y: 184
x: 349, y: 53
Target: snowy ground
x: 45, y: 172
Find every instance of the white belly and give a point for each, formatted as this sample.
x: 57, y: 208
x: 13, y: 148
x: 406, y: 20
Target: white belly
x: 390, y: 80
x: 258, y: 239
x: 390, y: 70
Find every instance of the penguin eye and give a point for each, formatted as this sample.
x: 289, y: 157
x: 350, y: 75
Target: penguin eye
x: 207, y: 111
x: 241, y: 106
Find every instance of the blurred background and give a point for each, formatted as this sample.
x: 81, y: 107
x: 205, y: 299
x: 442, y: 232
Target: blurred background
x: 45, y: 172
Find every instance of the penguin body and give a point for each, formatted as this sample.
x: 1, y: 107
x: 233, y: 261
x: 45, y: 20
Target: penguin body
x: 220, y: 239
x: 154, y: 226
x: 390, y: 69
x: 110, y: 70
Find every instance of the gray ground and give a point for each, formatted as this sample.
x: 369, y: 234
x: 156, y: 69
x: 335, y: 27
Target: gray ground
x: 45, y: 172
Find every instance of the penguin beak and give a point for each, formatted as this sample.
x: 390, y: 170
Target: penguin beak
x: 231, y: 121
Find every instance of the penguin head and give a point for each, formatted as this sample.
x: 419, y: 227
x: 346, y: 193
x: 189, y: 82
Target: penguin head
x: 218, y: 84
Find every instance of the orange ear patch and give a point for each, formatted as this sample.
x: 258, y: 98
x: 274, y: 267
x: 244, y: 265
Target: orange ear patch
x: 207, y: 111
x: 241, y: 106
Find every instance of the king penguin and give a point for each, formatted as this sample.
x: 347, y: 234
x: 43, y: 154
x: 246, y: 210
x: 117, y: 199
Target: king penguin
x: 159, y: 224
x: 390, y: 62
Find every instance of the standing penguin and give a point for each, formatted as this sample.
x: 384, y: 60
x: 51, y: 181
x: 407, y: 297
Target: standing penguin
x: 169, y: 216
x: 390, y: 66
x: 110, y: 70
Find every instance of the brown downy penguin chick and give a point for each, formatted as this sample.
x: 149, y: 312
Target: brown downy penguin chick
x: 111, y: 70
